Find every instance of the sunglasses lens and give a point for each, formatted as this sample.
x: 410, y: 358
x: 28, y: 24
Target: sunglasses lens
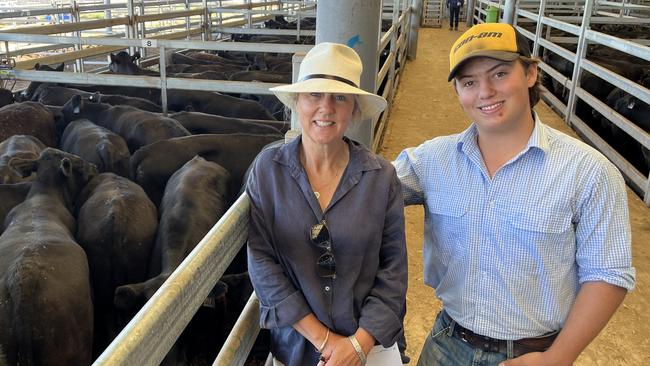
x: 326, y: 265
x: 320, y: 235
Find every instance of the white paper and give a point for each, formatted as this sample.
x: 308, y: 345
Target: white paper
x: 380, y: 356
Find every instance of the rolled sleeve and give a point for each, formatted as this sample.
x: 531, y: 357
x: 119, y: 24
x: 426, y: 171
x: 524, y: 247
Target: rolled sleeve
x: 281, y: 304
x: 603, y: 233
x: 383, y: 311
x: 405, y: 166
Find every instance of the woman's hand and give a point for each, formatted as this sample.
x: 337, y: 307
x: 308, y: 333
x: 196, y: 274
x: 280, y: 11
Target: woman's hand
x: 326, y: 352
x: 339, y: 351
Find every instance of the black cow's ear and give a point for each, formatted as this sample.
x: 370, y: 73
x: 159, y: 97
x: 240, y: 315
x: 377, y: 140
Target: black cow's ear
x: 24, y: 167
x: 136, y: 56
x: 76, y: 103
x: 37, y: 66
x: 112, y: 56
x: 66, y: 167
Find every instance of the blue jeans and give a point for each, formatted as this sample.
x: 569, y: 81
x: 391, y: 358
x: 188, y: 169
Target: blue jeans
x: 444, y: 349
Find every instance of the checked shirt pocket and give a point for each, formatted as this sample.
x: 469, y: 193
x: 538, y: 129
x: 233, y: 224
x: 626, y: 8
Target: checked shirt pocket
x: 448, y: 221
x: 539, y: 241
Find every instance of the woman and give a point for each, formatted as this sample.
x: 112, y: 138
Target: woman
x: 326, y: 249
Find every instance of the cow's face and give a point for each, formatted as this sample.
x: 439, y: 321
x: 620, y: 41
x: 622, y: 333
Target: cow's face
x: 494, y: 93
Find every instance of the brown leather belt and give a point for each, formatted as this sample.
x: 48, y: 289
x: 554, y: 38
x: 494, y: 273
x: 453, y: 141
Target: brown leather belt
x: 519, y: 347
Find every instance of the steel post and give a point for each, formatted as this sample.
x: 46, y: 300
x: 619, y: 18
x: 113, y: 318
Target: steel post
x: 509, y: 11
x: 416, y: 15
x: 357, y: 24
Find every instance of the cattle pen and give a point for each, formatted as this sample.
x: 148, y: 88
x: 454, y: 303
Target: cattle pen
x: 154, y: 30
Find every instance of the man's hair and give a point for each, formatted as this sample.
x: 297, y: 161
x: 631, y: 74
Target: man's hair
x: 535, y: 91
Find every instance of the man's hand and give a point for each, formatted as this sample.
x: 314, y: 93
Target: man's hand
x: 534, y: 359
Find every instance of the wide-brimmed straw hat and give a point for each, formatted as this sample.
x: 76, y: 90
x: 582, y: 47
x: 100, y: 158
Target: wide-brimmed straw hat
x: 500, y: 41
x: 331, y: 68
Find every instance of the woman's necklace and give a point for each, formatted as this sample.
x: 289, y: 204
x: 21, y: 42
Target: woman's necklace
x: 318, y: 188
x: 329, y: 182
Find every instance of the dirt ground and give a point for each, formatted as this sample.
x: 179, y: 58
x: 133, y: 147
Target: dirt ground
x: 425, y: 106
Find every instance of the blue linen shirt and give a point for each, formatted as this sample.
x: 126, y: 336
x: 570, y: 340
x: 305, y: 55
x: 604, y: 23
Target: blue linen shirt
x: 507, y: 254
x: 365, y: 219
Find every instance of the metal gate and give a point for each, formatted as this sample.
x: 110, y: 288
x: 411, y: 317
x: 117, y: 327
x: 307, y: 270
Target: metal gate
x: 432, y: 13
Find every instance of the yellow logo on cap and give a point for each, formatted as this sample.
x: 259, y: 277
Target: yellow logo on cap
x: 477, y: 36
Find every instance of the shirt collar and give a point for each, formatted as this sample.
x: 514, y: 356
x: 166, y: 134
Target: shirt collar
x: 539, y: 139
x: 360, y: 157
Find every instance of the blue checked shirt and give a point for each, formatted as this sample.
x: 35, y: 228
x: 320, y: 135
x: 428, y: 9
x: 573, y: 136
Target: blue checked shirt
x: 507, y: 255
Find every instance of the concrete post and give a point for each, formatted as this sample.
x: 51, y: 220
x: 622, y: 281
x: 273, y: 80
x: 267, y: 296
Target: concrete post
x: 416, y: 16
x: 509, y: 11
x: 357, y: 24
x: 108, y: 15
x: 470, y: 13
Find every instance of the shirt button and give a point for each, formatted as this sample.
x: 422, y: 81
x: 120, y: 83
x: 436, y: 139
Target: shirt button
x: 327, y: 288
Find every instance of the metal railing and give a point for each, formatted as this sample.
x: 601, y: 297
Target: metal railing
x: 578, y: 26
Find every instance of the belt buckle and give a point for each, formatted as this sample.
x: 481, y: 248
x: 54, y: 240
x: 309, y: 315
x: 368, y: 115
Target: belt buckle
x: 490, y: 344
x: 463, y: 335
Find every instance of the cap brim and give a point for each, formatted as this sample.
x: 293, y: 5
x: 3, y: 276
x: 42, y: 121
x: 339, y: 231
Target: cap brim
x: 371, y: 105
x: 498, y: 55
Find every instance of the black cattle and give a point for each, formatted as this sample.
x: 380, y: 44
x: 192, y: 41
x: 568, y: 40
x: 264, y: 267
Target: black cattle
x: 262, y: 76
x: 179, y: 58
x: 280, y: 22
x: 138, y: 128
x: 217, y: 70
x: 123, y: 63
x: 56, y: 95
x: 11, y: 195
x: 215, y: 103
x: 97, y: 145
x: 638, y: 113
x: 140, y: 103
x: 117, y: 228
x: 46, y: 315
x: 285, y: 67
x: 6, y: 97
x: 216, y: 59
x: 28, y: 93
x: 59, y: 95
x: 203, y: 123
x: 197, y: 190
x: 266, y: 61
x: 150, y: 94
x: 227, y: 65
x: 152, y: 165
x: 270, y: 102
x: 17, y: 146
x: 28, y: 118
x: 272, y: 39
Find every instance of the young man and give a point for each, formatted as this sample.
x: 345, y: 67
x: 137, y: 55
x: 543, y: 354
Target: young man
x: 527, y: 235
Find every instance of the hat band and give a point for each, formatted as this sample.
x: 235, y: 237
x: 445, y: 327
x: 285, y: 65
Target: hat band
x: 330, y: 77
